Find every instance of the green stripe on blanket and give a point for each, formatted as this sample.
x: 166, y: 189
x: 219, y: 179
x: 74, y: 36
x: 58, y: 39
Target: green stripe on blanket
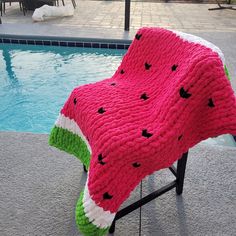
x: 70, y: 143
x: 227, y: 72
x: 85, y: 226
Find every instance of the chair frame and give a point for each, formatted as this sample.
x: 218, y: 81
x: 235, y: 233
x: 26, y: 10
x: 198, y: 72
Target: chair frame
x: 3, y: 5
x: 63, y: 3
x: 22, y: 5
x: 220, y: 7
x: 178, y: 184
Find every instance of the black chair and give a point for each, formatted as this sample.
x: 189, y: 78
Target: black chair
x: 178, y: 184
x: 3, y: 5
x: 220, y: 7
x: 31, y: 5
x: 73, y: 3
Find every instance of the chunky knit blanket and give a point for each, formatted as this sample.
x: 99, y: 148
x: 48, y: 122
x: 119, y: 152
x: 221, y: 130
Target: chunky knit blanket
x: 170, y: 92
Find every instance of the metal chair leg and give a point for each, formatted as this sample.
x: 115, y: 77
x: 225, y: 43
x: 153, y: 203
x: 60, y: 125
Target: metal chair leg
x: 220, y: 7
x: 74, y: 4
x: 234, y: 136
x: 112, y: 228
x: 85, y: 170
x: 23, y: 7
x: 178, y: 184
x: 181, y: 166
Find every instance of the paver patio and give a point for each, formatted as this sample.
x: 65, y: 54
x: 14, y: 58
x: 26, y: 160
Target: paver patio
x: 110, y: 15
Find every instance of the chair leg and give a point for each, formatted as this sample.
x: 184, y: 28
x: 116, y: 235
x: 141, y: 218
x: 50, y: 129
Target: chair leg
x: 85, y: 170
x: 22, y: 7
x: 74, y: 4
x: 179, y: 172
x: 181, y: 166
x: 112, y: 228
x: 4, y: 7
x: 63, y: 3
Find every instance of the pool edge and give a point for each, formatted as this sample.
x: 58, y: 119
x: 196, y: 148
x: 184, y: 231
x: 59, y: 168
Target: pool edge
x: 65, y: 41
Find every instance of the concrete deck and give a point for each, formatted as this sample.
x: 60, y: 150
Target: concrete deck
x: 40, y: 185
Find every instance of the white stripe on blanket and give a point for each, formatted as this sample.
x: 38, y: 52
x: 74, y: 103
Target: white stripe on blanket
x: 96, y: 214
x: 70, y: 124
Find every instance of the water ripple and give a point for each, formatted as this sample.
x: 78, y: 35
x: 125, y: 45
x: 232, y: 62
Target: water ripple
x: 37, y: 80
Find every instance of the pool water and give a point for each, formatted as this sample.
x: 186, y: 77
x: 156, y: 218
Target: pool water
x: 35, y: 81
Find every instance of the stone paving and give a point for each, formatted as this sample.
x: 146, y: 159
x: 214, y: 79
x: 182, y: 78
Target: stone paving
x: 110, y: 15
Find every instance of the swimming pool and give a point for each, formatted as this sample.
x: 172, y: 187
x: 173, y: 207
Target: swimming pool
x: 35, y: 81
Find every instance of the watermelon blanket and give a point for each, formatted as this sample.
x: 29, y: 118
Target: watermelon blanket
x: 170, y: 92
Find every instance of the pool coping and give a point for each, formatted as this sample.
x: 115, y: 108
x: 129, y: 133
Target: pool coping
x: 62, y: 36
x: 65, y: 41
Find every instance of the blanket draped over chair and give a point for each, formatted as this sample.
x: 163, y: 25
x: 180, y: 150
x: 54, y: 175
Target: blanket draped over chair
x: 170, y: 92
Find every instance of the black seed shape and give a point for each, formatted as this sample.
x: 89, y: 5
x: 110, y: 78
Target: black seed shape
x: 136, y: 165
x: 100, y: 157
x: 138, y: 36
x: 101, y: 110
x: 144, y: 96
x: 100, y: 161
x: 174, y: 67
x: 106, y: 195
x: 180, y: 137
x: 122, y: 71
x: 184, y: 94
x: 146, y: 134
x: 113, y: 84
x: 210, y: 103
x: 75, y: 101
x: 87, y: 138
x: 147, y: 66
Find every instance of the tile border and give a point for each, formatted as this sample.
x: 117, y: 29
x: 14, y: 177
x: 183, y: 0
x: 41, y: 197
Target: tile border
x: 83, y: 43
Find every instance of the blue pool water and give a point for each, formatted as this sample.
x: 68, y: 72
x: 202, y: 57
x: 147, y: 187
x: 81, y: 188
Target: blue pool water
x: 35, y: 81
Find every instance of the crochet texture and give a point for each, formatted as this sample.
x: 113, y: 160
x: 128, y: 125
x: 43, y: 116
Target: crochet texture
x: 170, y: 92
